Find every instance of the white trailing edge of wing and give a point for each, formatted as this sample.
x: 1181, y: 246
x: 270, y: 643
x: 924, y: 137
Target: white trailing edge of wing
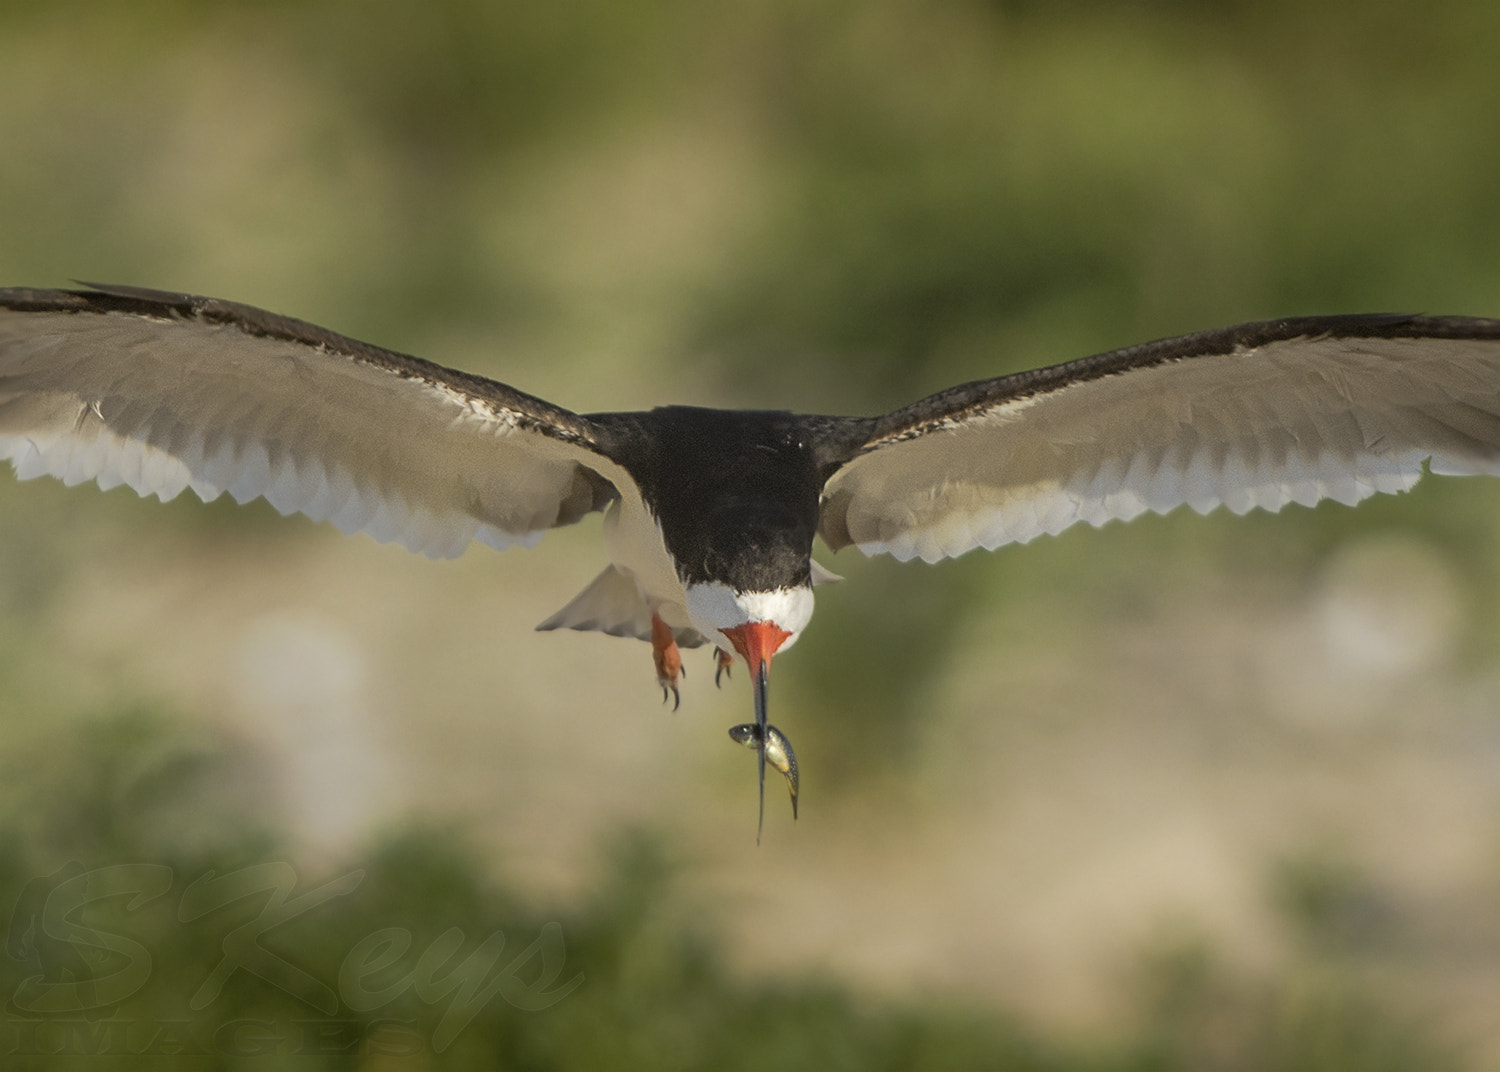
x: 162, y: 404
x: 1294, y: 421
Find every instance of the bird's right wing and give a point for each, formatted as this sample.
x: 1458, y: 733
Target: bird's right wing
x: 1254, y: 416
x: 163, y: 392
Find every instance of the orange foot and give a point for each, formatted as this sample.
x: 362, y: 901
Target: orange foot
x: 724, y: 662
x: 667, y: 658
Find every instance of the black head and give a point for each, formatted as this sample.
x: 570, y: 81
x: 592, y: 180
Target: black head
x: 736, y: 494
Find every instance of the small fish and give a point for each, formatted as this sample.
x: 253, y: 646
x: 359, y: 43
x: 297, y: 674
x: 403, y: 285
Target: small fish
x: 778, y: 751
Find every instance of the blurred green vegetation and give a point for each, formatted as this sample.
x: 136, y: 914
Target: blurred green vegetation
x: 821, y: 207
x: 836, y: 207
x: 150, y: 917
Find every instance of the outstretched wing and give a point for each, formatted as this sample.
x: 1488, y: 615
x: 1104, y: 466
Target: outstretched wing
x: 163, y: 392
x: 1258, y: 415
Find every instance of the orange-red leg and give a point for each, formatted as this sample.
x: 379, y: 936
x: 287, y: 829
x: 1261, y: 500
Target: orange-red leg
x: 667, y: 658
x: 724, y: 662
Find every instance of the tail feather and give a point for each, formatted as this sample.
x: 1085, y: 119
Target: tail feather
x: 612, y: 604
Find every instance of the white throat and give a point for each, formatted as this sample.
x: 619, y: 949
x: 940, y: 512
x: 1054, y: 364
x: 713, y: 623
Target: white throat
x: 713, y: 607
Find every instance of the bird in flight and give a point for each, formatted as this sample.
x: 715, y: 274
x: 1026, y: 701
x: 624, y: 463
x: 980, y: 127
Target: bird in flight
x: 710, y: 515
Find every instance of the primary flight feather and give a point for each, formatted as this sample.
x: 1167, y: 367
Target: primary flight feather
x: 710, y: 514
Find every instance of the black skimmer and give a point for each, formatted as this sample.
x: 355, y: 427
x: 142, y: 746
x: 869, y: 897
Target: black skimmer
x: 710, y: 514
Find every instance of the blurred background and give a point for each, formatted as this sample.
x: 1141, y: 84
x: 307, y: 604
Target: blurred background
x: 1207, y: 793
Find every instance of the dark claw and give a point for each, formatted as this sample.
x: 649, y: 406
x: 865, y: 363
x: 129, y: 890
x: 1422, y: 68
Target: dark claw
x: 725, y: 666
x: 676, y: 697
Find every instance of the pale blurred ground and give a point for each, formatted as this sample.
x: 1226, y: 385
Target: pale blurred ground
x: 1020, y: 771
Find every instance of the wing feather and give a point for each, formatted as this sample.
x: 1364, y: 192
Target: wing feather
x: 163, y: 392
x: 1253, y: 417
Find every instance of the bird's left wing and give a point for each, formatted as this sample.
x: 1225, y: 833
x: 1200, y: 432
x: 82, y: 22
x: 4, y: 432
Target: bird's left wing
x: 1252, y: 416
x: 163, y: 392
